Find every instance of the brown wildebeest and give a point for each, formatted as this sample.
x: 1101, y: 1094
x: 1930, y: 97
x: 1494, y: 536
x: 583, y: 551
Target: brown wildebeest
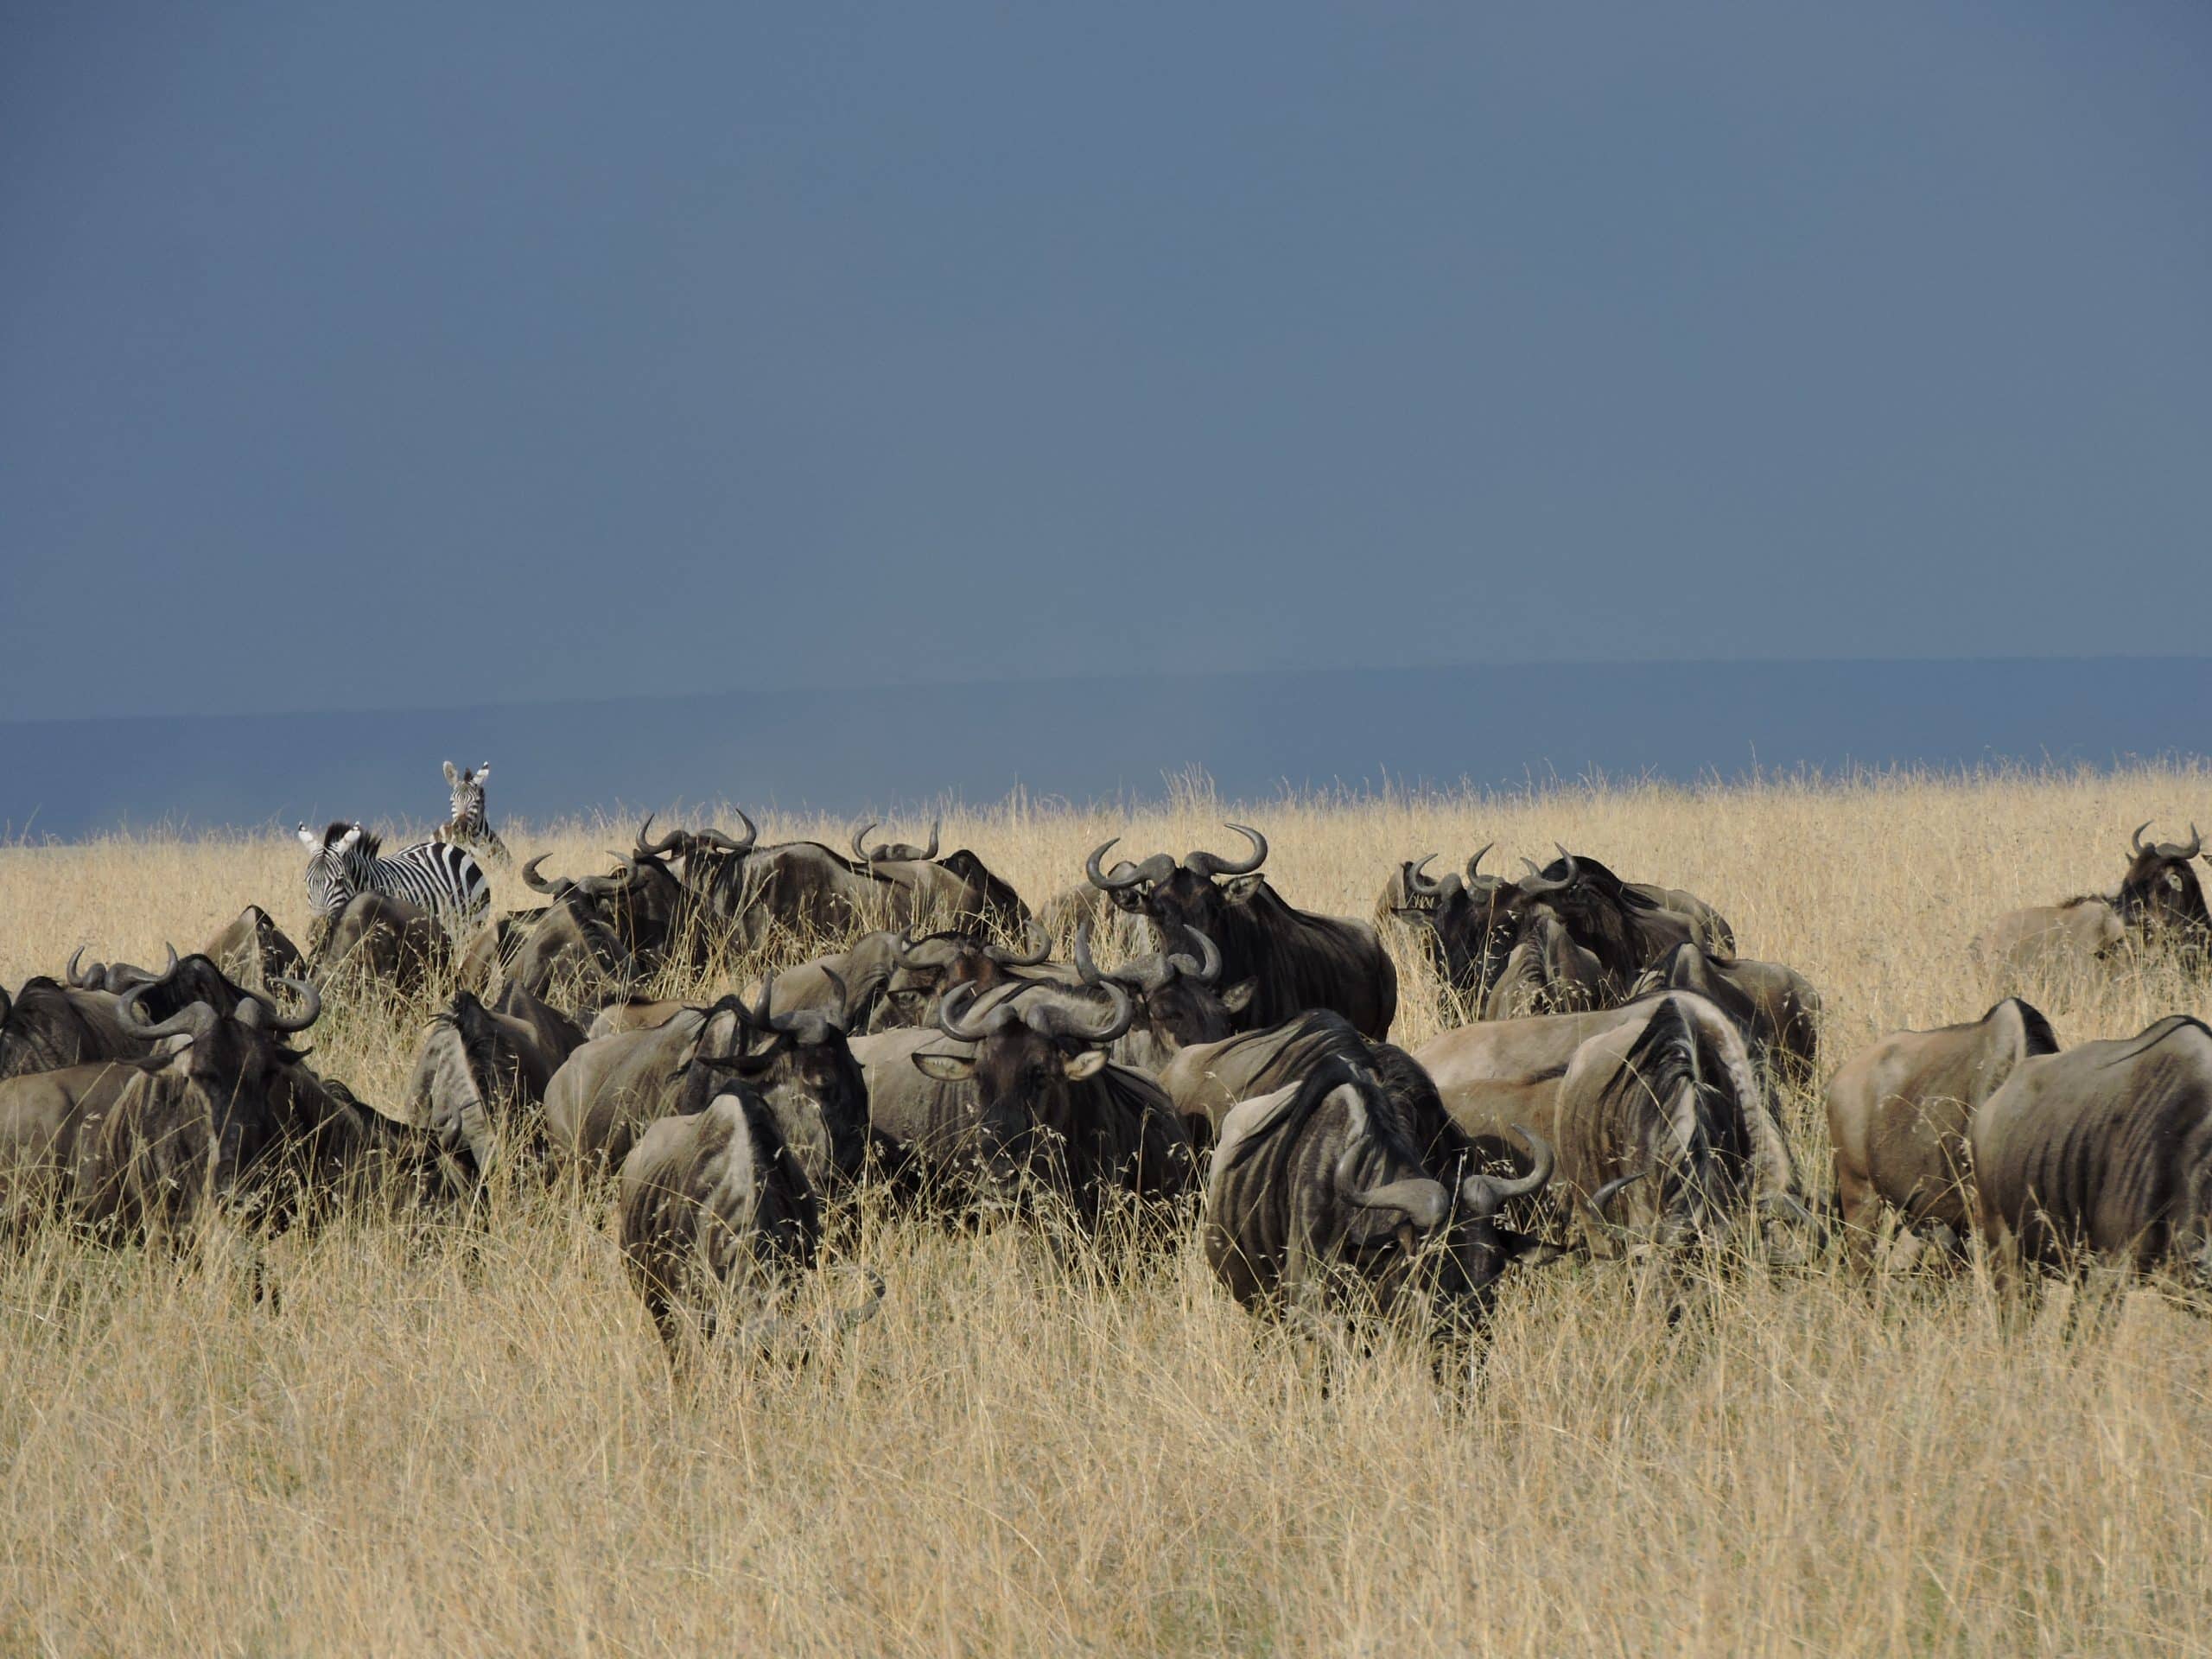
x: 1295, y: 959
x: 1776, y: 1007
x: 2159, y: 901
x: 1898, y: 1114
x: 254, y: 951
x: 47, y: 1025
x: 1546, y: 972
x: 956, y: 891
x: 2105, y: 1149
x: 384, y: 940
x: 479, y: 1071
x: 1318, y: 1196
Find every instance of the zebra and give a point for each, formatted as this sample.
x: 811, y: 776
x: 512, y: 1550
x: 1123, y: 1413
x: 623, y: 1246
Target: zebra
x: 468, y: 827
x: 441, y: 879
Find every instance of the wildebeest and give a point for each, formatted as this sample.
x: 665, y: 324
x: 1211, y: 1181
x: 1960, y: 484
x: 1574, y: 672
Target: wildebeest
x: 2159, y: 901
x: 230, y: 1118
x: 713, y: 1204
x: 798, y: 1062
x: 890, y: 980
x: 570, y: 949
x: 254, y: 952
x: 956, y: 890
x: 47, y: 1025
x: 1545, y: 972
x: 384, y: 940
x: 1619, y: 922
x: 1175, y: 994
x: 479, y: 1071
x: 1465, y: 923
x: 635, y: 1014
x: 1662, y: 1088
x: 2104, y: 1148
x: 1296, y: 960
x: 802, y: 888
x: 641, y: 903
x: 1776, y: 1006
x: 1898, y: 1113
x: 1026, y: 1099
x: 1318, y: 1192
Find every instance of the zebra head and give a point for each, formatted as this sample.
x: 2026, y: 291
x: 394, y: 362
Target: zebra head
x: 467, y: 797
x: 337, y: 865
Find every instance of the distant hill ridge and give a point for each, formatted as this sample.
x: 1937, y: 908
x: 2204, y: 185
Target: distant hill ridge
x: 851, y: 750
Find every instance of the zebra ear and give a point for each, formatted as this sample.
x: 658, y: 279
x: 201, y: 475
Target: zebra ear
x: 451, y: 777
x: 483, y: 771
x: 309, y: 839
x: 351, y: 838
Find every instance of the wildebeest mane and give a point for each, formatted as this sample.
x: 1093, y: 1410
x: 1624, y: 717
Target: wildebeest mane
x: 1281, y: 1127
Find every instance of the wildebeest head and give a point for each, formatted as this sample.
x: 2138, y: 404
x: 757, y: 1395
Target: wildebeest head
x: 1466, y: 923
x: 923, y: 970
x: 1031, y: 1063
x: 710, y: 862
x: 254, y: 948
x: 1177, y: 995
x: 1192, y: 894
x: 2160, y: 888
x: 801, y: 1065
x: 181, y: 981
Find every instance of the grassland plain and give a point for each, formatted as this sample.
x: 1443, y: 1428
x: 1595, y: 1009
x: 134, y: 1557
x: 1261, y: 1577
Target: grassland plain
x: 464, y: 1438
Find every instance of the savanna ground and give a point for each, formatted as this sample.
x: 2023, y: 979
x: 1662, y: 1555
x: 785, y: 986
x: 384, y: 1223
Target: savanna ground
x: 462, y: 1436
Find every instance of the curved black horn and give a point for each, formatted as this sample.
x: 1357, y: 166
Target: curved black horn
x: 91, y: 981
x: 1039, y: 951
x: 194, y: 1019
x: 1213, y: 864
x: 1475, y: 864
x: 952, y: 1014
x: 2195, y: 843
x: 1103, y: 881
x: 533, y: 880
x: 1536, y: 882
x: 2135, y: 841
x: 1206, y: 969
x: 716, y: 838
x: 1086, y: 965
x: 656, y: 849
x: 1417, y: 882
x: 860, y: 838
x: 1539, y: 1170
x: 309, y: 1014
x: 1612, y: 1189
x: 936, y: 825
x: 1053, y: 1020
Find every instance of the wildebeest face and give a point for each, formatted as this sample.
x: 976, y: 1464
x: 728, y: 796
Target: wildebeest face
x: 2160, y: 887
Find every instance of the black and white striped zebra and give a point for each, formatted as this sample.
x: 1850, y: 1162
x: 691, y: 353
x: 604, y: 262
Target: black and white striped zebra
x: 443, y: 880
x: 468, y: 826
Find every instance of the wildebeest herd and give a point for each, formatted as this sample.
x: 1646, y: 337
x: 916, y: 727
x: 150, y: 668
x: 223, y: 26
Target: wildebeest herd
x: 1610, y: 1088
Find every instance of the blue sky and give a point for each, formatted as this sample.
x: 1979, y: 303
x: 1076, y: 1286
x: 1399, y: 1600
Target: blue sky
x: 412, y: 355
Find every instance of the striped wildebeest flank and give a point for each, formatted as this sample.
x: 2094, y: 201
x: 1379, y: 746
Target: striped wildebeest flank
x: 956, y: 891
x: 2104, y: 1151
x: 1898, y: 1113
x: 2159, y: 903
x: 468, y: 826
x: 1546, y: 972
x: 480, y: 1074
x: 47, y: 1025
x: 1319, y: 1203
x: 345, y: 859
x: 609, y: 1089
x: 1295, y: 959
x: 382, y: 940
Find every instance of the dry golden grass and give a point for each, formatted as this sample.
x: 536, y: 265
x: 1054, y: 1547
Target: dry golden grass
x: 465, y: 1439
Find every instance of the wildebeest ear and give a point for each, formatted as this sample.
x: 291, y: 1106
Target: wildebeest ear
x: 1238, y: 997
x: 309, y: 839
x: 1239, y: 889
x: 1088, y: 1064
x: 452, y: 776
x: 946, y: 1068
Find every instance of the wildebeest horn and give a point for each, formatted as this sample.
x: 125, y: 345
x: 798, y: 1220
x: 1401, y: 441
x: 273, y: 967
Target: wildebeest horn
x: 1052, y: 1020
x: 196, y: 1019
x: 1158, y: 867
x: 952, y: 1014
x: 1039, y: 951
x: 1612, y: 1189
x: 1416, y: 882
x: 2195, y: 843
x: 1539, y: 1175
x: 1207, y: 967
x: 309, y: 1014
x: 533, y: 880
x: 2135, y: 841
x: 859, y: 836
x: 717, y: 839
x: 92, y: 981
x: 1537, y: 882
x: 936, y: 825
x: 1085, y: 964
x: 1475, y: 863
x: 1213, y: 864
x: 655, y: 849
